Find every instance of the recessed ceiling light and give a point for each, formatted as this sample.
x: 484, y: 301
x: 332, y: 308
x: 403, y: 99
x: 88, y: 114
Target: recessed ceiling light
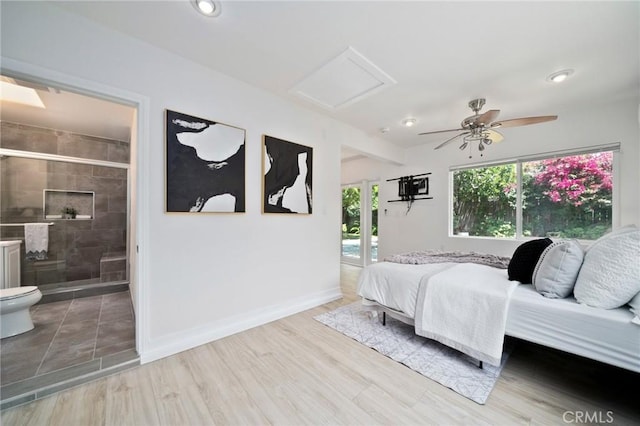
x: 409, y: 122
x: 209, y: 8
x: 559, y: 76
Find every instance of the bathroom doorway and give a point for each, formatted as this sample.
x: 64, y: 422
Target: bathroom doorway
x: 66, y: 163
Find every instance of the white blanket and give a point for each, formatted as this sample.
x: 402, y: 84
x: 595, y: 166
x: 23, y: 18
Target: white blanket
x: 465, y: 307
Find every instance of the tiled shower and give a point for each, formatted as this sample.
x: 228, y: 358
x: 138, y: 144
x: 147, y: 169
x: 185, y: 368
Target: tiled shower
x: 90, y: 248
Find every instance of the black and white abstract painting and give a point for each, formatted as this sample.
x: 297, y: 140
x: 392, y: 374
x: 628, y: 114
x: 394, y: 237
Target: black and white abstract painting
x: 205, y: 165
x: 287, y: 171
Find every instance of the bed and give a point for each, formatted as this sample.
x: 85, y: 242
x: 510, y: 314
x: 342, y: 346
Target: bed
x: 605, y: 335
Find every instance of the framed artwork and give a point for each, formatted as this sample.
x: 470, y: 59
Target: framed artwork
x: 205, y: 165
x: 287, y: 170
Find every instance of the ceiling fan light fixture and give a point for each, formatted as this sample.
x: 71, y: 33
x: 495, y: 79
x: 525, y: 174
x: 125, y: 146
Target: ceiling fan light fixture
x: 210, y: 8
x: 559, y: 76
x: 479, y: 128
x: 408, y: 122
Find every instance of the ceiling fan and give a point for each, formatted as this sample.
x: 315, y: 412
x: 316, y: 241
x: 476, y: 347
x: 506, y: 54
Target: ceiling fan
x: 480, y: 127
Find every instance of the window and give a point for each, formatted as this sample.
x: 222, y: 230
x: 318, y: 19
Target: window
x: 567, y: 196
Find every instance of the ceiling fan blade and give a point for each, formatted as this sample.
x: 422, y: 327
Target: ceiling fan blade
x: 440, y: 131
x: 487, y: 117
x: 523, y: 121
x: 450, y: 140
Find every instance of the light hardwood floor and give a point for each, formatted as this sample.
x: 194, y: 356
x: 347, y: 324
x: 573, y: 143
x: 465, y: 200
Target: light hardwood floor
x: 297, y: 371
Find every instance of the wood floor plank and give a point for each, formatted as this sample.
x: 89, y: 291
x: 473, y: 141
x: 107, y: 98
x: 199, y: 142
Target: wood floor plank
x: 80, y: 406
x: 386, y: 409
x: 36, y: 413
x: 317, y: 364
x: 227, y: 400
x: 168, y: 375
x: 270, y: 399
x: 130, y: 400
x: 404, y: 383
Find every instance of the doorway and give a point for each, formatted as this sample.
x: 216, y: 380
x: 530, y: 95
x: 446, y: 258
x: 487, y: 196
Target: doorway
x: 59, y: 168
x: 359, y: 242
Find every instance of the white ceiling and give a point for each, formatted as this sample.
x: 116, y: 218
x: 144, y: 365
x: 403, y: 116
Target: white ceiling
x: 441, y: 54
x: 72, y: 112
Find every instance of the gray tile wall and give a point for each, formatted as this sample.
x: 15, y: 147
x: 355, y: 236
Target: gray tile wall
x: 75, y: 246
x: 49, y: 141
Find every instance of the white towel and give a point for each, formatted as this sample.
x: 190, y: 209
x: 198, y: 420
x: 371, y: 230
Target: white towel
x: 36, y: 240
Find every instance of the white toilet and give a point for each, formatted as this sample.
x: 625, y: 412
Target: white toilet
x: 15, y: 302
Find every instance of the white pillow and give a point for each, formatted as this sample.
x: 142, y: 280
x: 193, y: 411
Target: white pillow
x: 635, y: 304
x: 557, y: 269
x: 610, y: 273
x: 635, y: 308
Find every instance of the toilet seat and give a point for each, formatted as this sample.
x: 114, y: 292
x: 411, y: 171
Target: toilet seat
x: 15, y: 292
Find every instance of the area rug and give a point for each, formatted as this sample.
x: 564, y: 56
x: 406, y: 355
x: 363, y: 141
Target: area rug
x: 399, y: 342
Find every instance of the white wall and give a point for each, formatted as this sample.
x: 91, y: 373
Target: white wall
x: 426, y: 225
x: 357, y: 170
x: 204, y: 276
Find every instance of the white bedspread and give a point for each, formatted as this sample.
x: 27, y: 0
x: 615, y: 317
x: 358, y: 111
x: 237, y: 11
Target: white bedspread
x: 465, y: 307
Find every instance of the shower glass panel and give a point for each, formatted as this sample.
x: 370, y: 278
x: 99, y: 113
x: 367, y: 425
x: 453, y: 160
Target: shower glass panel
x: 86, y: 207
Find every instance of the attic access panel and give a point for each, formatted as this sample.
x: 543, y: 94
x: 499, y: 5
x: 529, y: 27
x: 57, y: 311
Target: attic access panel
x: 346, y: 79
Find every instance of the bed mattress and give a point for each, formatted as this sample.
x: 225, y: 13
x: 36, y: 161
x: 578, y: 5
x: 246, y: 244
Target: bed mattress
x: 606, y: 335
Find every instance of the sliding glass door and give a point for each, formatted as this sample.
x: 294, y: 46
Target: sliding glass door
x: 373, y: 235
x: 359, y: 244
x: 351, y: 236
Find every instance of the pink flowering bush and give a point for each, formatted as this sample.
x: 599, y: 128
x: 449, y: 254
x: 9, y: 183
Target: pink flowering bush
x: 578, y: 180
x: 569, y: 197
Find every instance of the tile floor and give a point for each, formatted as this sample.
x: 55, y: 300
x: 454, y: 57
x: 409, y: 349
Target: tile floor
x: 71, y: 338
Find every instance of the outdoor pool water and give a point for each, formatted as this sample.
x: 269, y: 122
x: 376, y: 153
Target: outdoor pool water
x: 351, y: 248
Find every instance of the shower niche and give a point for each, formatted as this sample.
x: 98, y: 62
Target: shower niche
x: 68, y: 204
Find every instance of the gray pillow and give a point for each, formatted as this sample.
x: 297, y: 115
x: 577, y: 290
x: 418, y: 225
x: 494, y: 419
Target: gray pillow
x: 610, y: 273
x: 557, y: 269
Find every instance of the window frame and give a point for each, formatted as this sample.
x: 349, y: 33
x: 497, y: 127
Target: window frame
x: 518, y: 161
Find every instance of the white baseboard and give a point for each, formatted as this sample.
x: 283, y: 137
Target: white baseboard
x: 178, y: 342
